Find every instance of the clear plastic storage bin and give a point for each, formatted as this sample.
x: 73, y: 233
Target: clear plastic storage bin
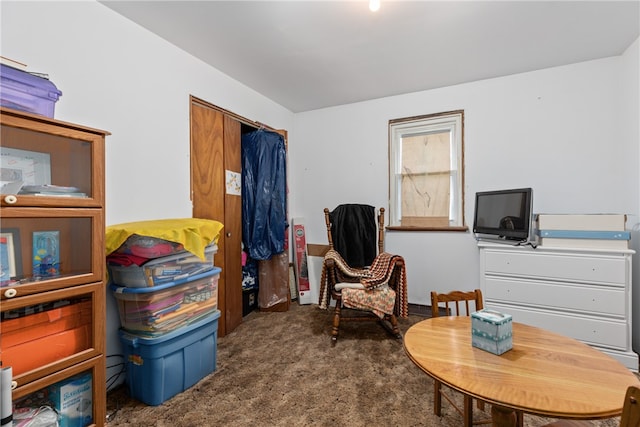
x: 164, y: 269
x: 161, y: 309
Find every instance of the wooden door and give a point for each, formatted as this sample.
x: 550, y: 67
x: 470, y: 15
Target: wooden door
x: 233, y: 229
x: 215, y: 149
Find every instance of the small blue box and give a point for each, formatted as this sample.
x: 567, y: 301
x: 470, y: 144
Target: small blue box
x: 159, y: 368
x: 491, y: 331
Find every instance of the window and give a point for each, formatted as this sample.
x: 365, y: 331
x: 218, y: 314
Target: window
x: 426, y: 175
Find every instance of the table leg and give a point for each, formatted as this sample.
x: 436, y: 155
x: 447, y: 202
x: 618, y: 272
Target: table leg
x: 503, y: 417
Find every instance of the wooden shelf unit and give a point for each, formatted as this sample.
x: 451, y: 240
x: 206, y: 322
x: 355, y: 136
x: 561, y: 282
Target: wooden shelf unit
x: 68, y: 155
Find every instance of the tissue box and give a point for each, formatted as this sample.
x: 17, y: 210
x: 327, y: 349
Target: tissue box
x: 491, y: 331
x: 72, y: 399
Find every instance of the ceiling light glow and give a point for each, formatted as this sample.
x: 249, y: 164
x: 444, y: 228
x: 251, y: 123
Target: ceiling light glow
x: 374, y: 5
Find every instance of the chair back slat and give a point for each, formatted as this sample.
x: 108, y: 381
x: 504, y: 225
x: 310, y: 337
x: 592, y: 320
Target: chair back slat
x: 456, y: 298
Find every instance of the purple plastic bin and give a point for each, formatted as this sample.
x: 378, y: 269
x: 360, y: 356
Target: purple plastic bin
x: 25, y: 92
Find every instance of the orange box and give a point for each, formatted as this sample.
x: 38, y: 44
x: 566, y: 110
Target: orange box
x: 31, y: 341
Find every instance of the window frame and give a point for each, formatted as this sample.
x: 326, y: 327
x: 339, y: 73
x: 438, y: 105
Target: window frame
x: 451, y: 121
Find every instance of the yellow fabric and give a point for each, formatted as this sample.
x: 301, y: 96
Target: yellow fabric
x: 194, y: 233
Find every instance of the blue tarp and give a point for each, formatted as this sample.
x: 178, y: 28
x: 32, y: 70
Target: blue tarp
x: 264, y: 187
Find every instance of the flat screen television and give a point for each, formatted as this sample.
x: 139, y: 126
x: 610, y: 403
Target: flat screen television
x: 504, y: 214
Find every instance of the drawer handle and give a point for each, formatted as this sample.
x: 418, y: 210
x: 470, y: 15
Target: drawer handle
x: 10, y: 199
x: 14, y: 385
x: 10, y: 293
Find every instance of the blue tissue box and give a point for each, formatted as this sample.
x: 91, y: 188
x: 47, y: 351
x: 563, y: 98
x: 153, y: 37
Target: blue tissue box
x: 491, y: 331
x: 73, y: 400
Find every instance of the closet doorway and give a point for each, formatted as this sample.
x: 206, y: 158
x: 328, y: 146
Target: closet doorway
x: 216, y: 154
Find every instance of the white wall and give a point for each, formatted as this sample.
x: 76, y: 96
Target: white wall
x: 629, y: 110
x: 116, y: 76
x: 560, y: 131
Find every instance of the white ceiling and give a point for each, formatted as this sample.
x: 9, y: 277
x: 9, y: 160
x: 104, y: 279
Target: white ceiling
x: 307, y: 55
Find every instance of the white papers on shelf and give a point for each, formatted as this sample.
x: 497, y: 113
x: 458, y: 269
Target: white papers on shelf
x: 31, y: 167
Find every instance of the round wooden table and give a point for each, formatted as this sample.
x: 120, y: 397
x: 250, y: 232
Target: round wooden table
x: 544, y: 373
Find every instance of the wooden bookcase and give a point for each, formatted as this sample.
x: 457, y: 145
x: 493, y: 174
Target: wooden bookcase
x: 69, y: 269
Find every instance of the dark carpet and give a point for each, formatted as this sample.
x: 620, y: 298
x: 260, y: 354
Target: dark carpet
x: 279, y: 369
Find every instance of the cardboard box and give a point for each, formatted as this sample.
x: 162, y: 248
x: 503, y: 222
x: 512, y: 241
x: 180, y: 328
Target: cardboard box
x: 602, y: 222
x: 585, y: 239
x: 597, y: 231
x: 73, y: 400
x: 300, y: 262
x: 491, y: 331
x: 159, y: 368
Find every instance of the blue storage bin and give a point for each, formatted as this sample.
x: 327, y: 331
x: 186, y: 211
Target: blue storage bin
x: 159, y: 368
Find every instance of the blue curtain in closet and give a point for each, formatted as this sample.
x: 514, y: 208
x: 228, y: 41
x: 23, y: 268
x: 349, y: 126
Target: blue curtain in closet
x: 264, y: 187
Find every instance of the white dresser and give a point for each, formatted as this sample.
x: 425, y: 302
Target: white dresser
x: 581, y: 293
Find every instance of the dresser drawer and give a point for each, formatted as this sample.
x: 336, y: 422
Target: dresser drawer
x: 557, y: 296
x: 590, y: 330
x: 576, y: 268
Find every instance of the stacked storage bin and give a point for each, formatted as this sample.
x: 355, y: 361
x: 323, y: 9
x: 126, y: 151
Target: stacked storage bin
x: 169, y: 318
x: 24, y: 91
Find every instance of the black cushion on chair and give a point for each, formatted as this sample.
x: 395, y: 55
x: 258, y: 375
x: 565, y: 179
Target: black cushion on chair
x: 354, y: 233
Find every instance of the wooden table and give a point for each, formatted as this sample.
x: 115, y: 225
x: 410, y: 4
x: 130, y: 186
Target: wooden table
x: 544, y: 373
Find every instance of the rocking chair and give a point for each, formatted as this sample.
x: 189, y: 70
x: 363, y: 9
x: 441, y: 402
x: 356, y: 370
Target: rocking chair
x: 366, y: 283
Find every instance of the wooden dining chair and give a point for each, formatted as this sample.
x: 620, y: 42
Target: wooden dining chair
x: 630, y: 412
x: 457, y: 303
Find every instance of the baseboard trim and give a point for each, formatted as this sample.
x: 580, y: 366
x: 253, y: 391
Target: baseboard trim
x: 425, y: 310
